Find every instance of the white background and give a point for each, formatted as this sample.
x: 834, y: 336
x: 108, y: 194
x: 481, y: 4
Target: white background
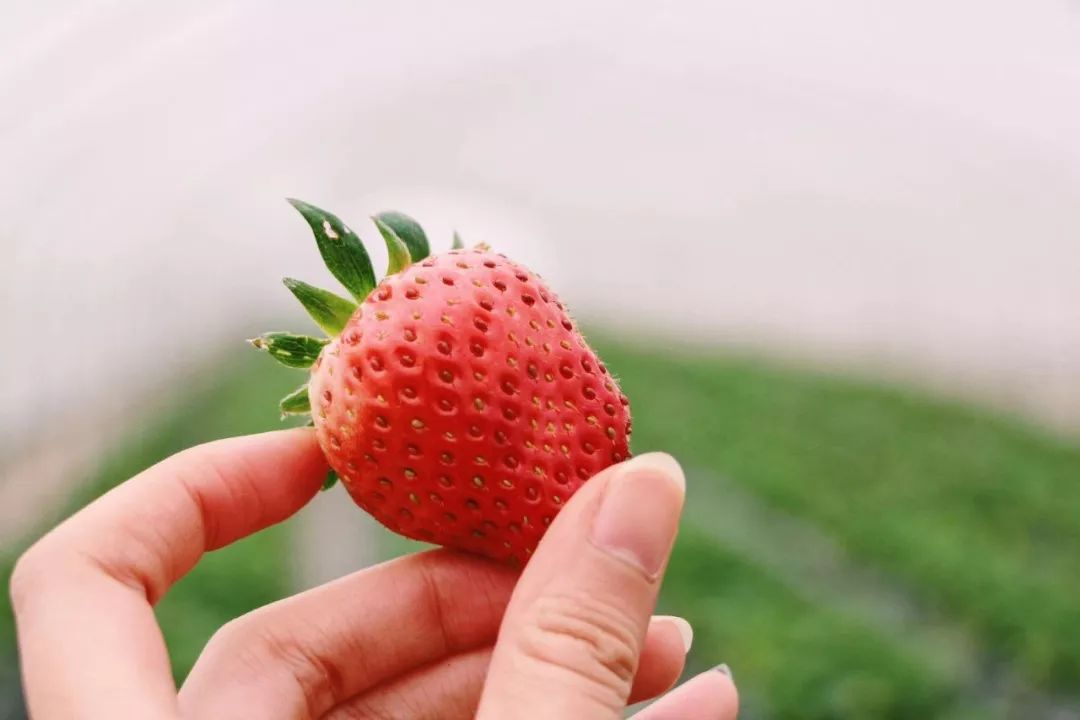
x: 892, y: 186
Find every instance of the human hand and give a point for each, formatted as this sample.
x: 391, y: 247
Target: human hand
x: 411, y: 638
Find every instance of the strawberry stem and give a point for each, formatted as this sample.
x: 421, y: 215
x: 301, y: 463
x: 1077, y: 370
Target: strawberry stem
x: 409, y: 231
x: 341, y: 249
x: 296, y: 351
x: 329, y: 311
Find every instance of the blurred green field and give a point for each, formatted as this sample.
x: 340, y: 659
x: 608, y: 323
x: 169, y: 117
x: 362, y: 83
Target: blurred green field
x: 967, y: 523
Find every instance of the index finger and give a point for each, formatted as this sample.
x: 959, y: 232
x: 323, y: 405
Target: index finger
x: 83, y: 595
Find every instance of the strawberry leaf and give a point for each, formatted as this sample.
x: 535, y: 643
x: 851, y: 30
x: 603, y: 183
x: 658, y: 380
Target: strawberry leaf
x: 457, y: 244
x: 330, y: 481
x: 295, y: 403
x: 409, y: 231
x: 398, y: 252
x: 296, y: 351
x: 329, y: 311
x: 341, y: 249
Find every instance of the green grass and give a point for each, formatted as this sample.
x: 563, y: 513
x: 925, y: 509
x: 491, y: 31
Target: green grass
x: 977, y: 516
x: 794, y: 659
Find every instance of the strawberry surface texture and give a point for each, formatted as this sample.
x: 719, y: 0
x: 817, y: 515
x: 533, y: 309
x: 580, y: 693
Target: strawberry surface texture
x: 457, y: 402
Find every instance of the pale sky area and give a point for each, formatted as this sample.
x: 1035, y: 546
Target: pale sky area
x: 888, y: 186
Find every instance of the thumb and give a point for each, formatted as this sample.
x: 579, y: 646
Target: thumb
x: 572, y: 634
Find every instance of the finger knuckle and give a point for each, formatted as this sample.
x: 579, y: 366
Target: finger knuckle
x: 590, y: 638
x: 319, y: 679
x: 25, y: 577
x: 242, y: 642
x: 237, y: 647
x: 250, y: 641
x: 231, y: 636
x: 39, y: 565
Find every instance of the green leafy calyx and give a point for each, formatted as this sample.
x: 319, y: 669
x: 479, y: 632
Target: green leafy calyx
x: 408, y: 230
x: 396, y: 249
x: 341, y: 249
x: 347, y: 260
x: 296, y: 351
x: 329, y: 311
x: 296, y: 403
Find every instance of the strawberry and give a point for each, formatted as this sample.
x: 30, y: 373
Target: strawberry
x: 458, y: 403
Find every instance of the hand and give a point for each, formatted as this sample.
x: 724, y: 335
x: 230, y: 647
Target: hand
x: 411, y: 638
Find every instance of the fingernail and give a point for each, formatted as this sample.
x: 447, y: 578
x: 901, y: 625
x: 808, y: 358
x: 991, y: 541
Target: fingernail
x: 639, y: 512
x: 723, y: 669
x: 686, y: 631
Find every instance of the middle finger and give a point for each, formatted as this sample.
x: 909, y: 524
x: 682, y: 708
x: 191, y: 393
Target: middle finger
x: 301, y: 656
x: 449, y: 689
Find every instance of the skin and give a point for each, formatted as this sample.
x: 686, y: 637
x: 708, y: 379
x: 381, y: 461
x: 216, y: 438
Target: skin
x: 433, y: 635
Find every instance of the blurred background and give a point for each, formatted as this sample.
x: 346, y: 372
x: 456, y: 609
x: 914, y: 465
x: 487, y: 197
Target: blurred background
x: 832, y: 249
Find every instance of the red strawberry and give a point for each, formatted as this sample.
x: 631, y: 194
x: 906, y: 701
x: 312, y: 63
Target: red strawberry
x: 458, y: 404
